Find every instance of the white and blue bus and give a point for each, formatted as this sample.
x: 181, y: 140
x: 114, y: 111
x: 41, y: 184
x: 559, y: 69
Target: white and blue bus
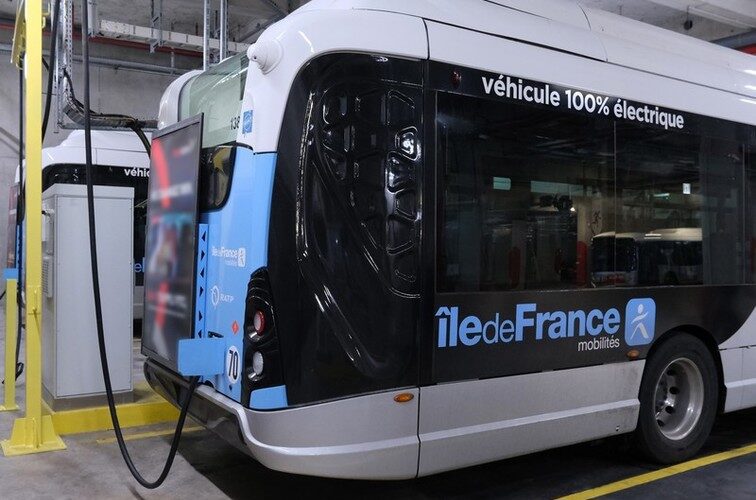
x: 397, y: 206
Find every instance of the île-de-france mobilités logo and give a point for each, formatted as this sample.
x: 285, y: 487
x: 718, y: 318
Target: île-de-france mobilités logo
x: 640, y: 321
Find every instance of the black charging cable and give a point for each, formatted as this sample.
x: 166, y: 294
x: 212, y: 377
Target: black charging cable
x: 96, y: 289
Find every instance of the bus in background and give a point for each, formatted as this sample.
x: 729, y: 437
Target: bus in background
x: 660, y: 257
x: 119, y: 159
x: 394, y: 213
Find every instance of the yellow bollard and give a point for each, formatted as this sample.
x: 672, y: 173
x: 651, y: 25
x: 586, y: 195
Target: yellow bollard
x: 11, y: 315
x: 34, y: 433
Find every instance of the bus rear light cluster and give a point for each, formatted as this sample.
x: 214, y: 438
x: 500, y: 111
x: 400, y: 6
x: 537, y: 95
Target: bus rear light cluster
x: 262, y: 362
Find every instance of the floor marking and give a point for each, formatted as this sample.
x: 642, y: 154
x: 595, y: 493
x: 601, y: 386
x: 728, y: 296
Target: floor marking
x: 145, y: 435
x: 648, y: 477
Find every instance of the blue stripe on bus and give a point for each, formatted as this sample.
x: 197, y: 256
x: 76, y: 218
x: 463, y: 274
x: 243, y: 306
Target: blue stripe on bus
x: 201, y: 356
x: 269, y: 398
x: 237, y: 247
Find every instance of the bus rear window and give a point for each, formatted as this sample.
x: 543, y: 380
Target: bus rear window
x: 217, y: 93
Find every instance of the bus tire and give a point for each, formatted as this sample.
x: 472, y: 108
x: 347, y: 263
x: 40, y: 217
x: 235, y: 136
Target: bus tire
x: 678, y: 400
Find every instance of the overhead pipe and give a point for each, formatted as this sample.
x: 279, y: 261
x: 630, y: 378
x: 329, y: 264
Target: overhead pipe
x: 117, y: 64
x: 223, y: 34
x: 205, y: 34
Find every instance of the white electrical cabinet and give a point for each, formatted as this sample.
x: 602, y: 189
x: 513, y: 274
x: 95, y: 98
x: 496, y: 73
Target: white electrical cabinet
x: 71, y: 361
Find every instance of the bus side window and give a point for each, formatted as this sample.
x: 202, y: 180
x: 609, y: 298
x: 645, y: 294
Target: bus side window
x: 681, y: 194
x: 522, y: 193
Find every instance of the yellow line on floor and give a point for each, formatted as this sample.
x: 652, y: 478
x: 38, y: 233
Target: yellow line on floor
x: 145, y: 435
x: 648, y: 477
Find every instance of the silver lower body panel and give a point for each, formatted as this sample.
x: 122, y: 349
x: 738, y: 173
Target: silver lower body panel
x: 459, y: 424
x: 477, y: 421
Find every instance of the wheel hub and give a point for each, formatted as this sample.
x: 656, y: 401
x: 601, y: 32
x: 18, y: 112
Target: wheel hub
x: 679, y: 398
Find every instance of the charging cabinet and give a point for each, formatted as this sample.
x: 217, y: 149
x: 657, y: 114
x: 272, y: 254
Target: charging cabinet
x: 71, y: 373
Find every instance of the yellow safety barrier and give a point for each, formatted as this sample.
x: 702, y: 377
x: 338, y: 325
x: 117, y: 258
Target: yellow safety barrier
x: 34, y: 432
x: 11, y: 317
x: 148, y: 408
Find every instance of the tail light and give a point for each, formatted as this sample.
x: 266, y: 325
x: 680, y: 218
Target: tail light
x: 257, y: 330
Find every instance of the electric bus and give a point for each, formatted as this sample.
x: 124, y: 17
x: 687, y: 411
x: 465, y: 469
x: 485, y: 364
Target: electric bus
x: 119, y: 159
x: 391, y: 245
x: 660, y: 257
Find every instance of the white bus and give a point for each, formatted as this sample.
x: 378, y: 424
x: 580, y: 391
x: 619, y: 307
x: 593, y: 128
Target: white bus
x: 119, y: 159
x: 396, y: 206
x: 659, y: 257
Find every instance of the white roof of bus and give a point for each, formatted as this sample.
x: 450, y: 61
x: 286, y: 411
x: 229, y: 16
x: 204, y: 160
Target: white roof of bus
x: 676, y: 234
x: 104, y: 139
x: 612, y: 234
x: 596, y: 50
x: 614, y: 39
x: 666, y: 234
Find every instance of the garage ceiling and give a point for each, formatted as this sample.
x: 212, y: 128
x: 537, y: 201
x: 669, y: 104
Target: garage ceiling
x: 710, y: 20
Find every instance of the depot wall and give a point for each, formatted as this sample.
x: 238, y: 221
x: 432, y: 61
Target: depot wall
x: 112, y: 90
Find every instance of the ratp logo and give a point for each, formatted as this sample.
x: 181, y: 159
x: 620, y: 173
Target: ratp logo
x: 640, y: 321
x: 247, y: 122
x: 216, y: 296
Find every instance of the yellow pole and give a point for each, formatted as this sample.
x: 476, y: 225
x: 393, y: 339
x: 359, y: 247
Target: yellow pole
x: 11, y: 313
x: 33, y: 433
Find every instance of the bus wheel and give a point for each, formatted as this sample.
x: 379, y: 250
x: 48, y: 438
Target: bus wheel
x: 678, y: 400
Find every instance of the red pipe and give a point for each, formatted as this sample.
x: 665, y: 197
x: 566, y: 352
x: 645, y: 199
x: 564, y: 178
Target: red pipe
x: 120, y: 43
x: 138, y: 45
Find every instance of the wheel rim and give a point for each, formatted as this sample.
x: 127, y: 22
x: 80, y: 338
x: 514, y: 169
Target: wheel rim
x: 679, y: 399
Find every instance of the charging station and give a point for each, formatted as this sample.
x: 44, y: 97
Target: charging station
x: 71, y: 374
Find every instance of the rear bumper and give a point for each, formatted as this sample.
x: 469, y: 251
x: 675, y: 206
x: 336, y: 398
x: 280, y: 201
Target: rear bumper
x: 366, y: 437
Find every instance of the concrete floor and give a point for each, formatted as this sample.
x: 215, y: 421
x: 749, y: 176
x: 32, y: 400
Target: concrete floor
x: 206, y: 467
